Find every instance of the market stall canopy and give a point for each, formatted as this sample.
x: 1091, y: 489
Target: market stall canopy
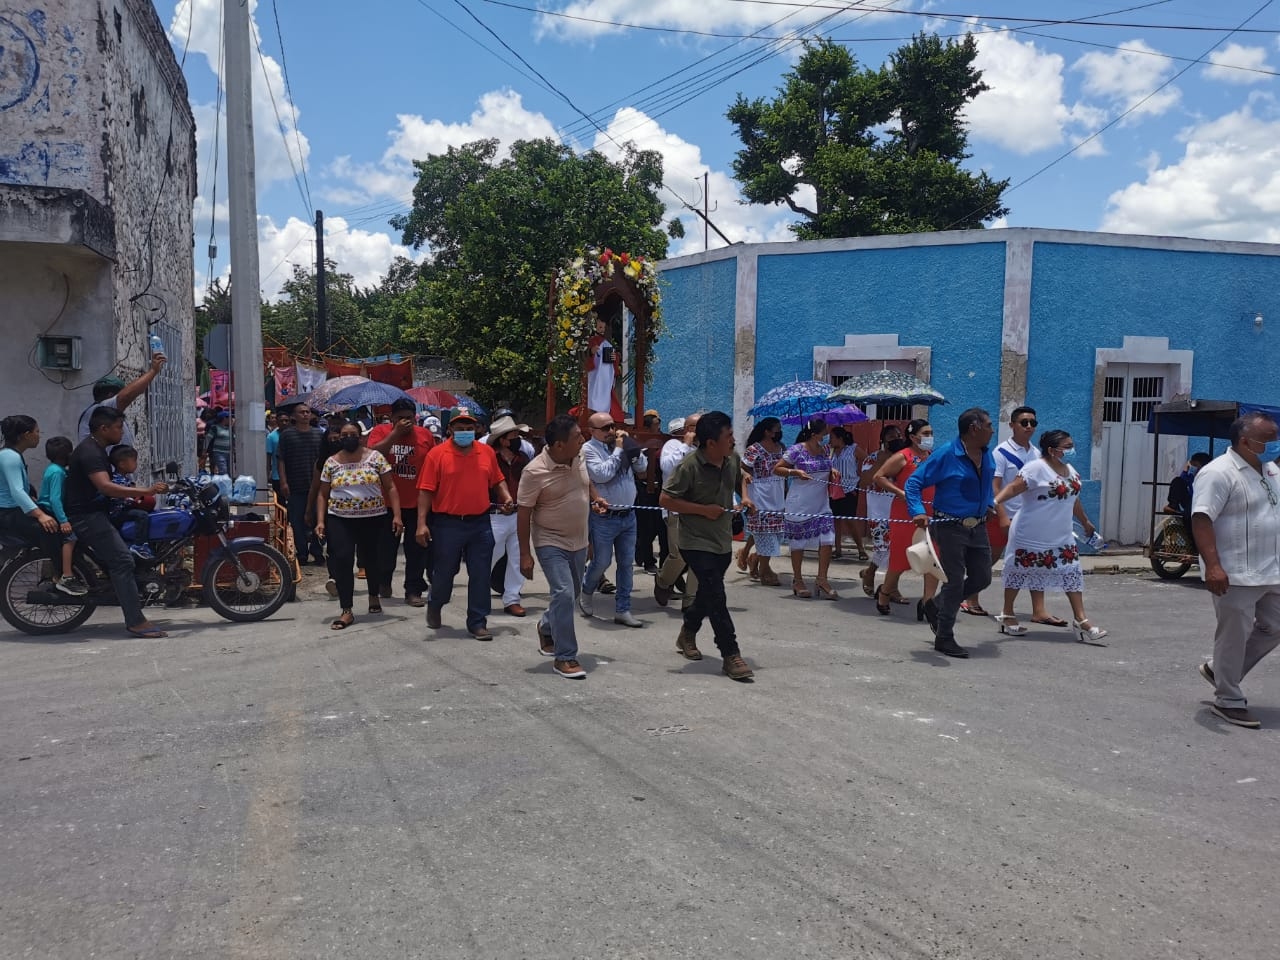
x: 1202, y: 418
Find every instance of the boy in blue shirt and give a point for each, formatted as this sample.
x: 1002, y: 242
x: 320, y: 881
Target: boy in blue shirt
x: 124, y: 461
x: 58, y: 452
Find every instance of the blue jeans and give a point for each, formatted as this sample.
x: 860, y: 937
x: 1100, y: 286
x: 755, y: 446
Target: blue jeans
x: 563, y: 570
x: 454, y: 540
x: 612, y: 536
x: 219, y: 462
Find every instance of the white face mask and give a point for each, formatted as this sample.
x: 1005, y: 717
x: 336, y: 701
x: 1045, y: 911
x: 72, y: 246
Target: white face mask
x: 926, y: 443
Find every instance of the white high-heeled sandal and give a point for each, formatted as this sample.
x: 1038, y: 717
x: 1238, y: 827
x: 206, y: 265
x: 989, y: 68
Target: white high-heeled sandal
x: 1088, y: 633
x: 1014, y: 629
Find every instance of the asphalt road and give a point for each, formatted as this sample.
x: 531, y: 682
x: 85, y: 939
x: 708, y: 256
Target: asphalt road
x: 283, y: 791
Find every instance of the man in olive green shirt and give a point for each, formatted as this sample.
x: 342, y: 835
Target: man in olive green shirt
x: 701, y: 490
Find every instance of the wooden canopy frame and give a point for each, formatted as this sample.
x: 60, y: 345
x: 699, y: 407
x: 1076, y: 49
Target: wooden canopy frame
x: 628, y: 291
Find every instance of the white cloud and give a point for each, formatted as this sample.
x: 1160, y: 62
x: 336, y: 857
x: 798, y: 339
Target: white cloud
x: 711, y: 15
x: 1235, y: 63
x: 362, y: 253
x: 1125, y: 78
x: 280, y: 148
x: 683, y: 170
x: 500, y: 114
x: 1024, y: 110
x: 1225, y: 186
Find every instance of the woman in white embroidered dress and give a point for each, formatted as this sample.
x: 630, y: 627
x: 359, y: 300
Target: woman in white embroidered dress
x: 1042, y: 553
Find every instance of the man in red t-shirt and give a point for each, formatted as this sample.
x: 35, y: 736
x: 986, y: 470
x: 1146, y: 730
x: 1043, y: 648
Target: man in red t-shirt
x: 459, y: 481
x: 405, y: 446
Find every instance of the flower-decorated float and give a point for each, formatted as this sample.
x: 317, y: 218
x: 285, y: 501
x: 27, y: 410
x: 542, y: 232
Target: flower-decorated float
x: 590, y: 348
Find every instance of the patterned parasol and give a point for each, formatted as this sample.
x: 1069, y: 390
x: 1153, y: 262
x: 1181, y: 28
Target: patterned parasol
x: 886, y: 386
x: 800, y: 398
x: 346, y: 393
x: 840, y: 416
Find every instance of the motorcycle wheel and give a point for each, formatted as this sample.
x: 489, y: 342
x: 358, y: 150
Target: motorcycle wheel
x: 24, y: 574
x: 1166, y: 569
x: 264, y: 588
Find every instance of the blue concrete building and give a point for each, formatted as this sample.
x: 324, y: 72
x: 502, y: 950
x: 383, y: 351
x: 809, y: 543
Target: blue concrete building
x: 1116, y: 323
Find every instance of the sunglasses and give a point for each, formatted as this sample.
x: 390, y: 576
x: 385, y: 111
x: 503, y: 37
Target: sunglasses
x: 1028, y: 423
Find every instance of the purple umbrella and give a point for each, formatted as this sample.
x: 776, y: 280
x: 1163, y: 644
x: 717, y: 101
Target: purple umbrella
x: 835, y: 417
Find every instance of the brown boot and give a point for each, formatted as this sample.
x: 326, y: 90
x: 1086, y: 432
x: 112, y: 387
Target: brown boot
x: 687, y: 645
x: 735, y: 668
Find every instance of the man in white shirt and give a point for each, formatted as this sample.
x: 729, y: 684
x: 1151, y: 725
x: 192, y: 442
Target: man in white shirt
x: 673, y: 451
x: 613, y: 461
x: 1011, y: 456
x: 1235, y: 514
x: 115, y: 393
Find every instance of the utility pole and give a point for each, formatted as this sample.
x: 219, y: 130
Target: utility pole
x: 249, y: 449
x: 706, y: 210
x: 322, y: 289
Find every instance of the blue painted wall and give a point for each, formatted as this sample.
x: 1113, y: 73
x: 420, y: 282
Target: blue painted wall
x: 694, y: 360
x: 1085, y: 297
x: 949, y: 298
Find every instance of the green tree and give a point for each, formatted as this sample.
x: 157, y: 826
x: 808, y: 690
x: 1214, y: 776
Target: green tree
x: 880, y: 149
x: 291, y: 321
x: 496, y: 230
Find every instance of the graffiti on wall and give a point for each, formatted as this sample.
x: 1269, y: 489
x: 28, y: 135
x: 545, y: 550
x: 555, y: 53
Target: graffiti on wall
x: 39, y: 71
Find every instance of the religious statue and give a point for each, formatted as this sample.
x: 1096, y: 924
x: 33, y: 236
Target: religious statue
x: 604, y: 368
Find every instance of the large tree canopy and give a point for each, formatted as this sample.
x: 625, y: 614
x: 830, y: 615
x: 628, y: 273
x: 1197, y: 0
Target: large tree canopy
x: 879, y: 149
x: 496, y: 230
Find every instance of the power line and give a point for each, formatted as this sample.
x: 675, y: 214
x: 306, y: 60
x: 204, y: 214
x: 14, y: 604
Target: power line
x: 1032, y: 20
x: 1133, y: 107
x: 288, y: 89
x: 284, y: 137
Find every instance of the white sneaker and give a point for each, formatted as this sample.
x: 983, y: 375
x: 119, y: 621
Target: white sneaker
x: 587, y: 604
x: 627, y: 620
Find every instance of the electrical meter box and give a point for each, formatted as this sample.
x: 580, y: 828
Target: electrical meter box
x: 59, y: 353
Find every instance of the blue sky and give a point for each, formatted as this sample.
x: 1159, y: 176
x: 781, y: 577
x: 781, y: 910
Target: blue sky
x: 375, y: 85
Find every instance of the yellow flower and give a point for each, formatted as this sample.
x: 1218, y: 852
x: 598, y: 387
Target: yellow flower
x: 569, y: 344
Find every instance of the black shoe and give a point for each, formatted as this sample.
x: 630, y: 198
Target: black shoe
x: 433, y: 617
x: 679, y: 586
x: 929, y: 610
x: 606, y: 586
x: 661, y: 594
x: 651, y: 569
x: 951, y: 649
x: 1206, y: 671
x: 1237, y: 715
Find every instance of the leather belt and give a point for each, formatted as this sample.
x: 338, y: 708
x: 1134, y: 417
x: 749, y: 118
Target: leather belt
x: 616, y: 513
x: 461, y: 516
x: 967, y: 522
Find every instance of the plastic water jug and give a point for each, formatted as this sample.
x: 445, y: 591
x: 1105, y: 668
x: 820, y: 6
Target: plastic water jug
x: 244, y: 490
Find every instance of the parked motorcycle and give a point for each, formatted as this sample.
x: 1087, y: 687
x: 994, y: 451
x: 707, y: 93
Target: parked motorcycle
x: 245, y: 579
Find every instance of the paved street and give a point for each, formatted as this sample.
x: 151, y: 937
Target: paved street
x: 282, y: 791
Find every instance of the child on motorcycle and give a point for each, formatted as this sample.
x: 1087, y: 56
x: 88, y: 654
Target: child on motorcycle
x: 58, y: 452
x: 135, y: 510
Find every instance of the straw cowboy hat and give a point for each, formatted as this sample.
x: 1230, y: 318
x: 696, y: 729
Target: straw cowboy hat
x: 923, y: 557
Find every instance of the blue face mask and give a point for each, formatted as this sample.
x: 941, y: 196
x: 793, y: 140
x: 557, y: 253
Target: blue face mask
x: 1192, y: 471
x: 1270, y: 450
x: 464, y: 438
x: 1068, y: 454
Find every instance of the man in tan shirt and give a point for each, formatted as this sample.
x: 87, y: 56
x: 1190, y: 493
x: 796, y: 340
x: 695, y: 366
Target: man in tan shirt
x: 555, y: 497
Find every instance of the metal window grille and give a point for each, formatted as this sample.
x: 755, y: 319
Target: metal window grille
x: 1113, y: 400
x: 169, y: 412
x: 1147, y: 392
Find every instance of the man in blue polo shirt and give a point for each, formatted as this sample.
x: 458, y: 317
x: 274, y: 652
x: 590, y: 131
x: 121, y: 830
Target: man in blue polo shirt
x: 961, y: 475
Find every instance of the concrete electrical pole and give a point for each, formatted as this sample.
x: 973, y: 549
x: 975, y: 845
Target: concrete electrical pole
x: 250, y: 449
x: 322, y: 289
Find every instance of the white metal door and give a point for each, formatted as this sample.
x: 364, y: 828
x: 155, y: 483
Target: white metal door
x: 841, y: 370
x: 1130, y: 391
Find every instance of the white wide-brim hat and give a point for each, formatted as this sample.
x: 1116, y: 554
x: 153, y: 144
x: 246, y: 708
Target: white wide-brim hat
x: 923, y: 557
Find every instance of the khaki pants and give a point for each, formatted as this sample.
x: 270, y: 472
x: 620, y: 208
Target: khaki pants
x: 1248, y: 629
x: 675, y: 564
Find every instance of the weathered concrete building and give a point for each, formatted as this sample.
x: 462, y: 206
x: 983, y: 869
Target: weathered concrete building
x: 97, y: 180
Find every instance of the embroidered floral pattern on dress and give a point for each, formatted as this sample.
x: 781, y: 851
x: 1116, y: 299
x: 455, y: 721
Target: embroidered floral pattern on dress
x: 1045, y: 559
x: 1065, y: 488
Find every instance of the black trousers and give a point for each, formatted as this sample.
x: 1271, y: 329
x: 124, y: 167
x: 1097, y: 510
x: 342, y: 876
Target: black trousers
x: 965, y: 556
x: 710, y: 602
x: 17, y: 523
x: 416, y: 557
x: 370, y: 536
x: 650, y: 524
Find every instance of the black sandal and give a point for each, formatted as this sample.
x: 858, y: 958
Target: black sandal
x: 375, y: 605
x: 881, y: 608
x: 345, y: 619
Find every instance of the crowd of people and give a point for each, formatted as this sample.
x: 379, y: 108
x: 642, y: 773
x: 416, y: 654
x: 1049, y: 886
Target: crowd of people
x: 440, y: 498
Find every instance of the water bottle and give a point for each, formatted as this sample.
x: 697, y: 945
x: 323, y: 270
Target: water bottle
x: 157, y: 345
x: 223, y: 483
x: 244, y: 489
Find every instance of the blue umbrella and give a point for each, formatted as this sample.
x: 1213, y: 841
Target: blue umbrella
x: 800, y: 398
x: 346, y: 393
x: 465, y: 401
